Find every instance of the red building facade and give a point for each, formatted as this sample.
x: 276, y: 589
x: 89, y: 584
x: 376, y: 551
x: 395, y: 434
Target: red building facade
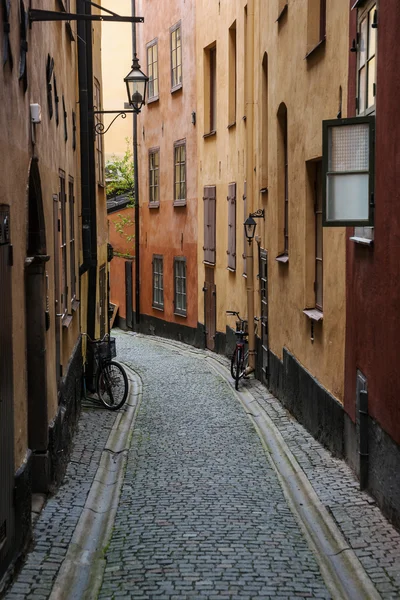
x: 373, y: 265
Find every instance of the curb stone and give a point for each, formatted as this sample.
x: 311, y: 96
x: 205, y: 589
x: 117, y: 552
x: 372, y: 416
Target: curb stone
x: 81, y: 573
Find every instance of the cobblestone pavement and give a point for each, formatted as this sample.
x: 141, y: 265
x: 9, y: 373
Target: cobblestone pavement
x: 56, y: 524
x: 201, y: 513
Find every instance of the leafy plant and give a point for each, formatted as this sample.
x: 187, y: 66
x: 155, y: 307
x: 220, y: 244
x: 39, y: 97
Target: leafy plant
x: 120, y: 176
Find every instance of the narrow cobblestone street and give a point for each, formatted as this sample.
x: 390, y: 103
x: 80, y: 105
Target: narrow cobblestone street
x: 205, y: 510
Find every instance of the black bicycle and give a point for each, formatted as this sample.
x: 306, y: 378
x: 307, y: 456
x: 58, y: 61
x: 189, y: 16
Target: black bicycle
x: 240, y: 356
x: 111, y: 381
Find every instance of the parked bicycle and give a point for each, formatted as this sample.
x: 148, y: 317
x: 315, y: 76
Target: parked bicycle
x: 240, y: 356
x: 111, y: 381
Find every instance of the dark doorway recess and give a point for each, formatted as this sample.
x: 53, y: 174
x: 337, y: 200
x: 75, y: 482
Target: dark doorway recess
x: 35, y: 306
x: 210, y: 305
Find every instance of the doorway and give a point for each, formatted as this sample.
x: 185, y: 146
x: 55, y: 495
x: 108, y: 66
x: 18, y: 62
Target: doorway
x: 210, y: 307
x: 6, y: 394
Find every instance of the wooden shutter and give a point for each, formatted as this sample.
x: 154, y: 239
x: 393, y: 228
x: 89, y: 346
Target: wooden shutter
x: 209, y: 224
x: 243, y: 234
x: 231, y: 252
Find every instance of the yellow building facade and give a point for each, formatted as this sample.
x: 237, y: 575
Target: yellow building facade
x: 272, y: 73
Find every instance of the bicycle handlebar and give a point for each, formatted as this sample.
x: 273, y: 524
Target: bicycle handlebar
x: 94, y: 341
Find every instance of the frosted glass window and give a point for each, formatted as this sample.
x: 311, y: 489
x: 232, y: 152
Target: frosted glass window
x: 347, y: 197
x: 349, y: 148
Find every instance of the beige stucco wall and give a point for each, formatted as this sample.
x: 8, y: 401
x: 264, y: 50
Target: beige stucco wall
x: 53, y: 153
x: 310, y: 89
x: 222, y: 158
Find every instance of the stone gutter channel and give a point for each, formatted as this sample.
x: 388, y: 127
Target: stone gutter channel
x: 81, y: 573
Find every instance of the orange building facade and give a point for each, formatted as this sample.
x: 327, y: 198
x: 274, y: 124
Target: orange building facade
x: 168, y: 173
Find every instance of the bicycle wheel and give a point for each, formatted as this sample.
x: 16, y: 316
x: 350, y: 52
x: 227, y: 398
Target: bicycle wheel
x: 112, y: 385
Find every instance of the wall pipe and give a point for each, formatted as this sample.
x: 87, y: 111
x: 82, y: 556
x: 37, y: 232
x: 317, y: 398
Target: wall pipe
x: 250, y: 175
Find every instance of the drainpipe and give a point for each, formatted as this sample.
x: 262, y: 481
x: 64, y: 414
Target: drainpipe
x: 249, y: 175
x: 363, y: 416
x: 88, y: 172
x: 136, y: 191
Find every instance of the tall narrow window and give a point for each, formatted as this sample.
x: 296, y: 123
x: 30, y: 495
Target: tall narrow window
x: 158, y: 282
x: 180, y: 173
x: 152, y: 69
x: 283, y: 179
x: 71, y: 200
x: 366, y: 59
x: 63, y: 243
x: 176, y: 57
x: 180, y: 285
x: 232, y: 75
x: 99, y: 138
x: 316, y: 24
x: 318, y: 284
x: 154, y: 182
x: 210, y: 90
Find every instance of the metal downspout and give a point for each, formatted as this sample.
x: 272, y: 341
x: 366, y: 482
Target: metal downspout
x: 250, y: 174
x: 136, y: 191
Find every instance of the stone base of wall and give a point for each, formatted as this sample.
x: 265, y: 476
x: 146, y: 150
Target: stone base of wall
x: 383, y: 466
x: 149, y: 325
x: 312, y: 405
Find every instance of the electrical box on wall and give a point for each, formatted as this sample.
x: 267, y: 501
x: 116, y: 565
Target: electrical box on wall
x: 36, y: 113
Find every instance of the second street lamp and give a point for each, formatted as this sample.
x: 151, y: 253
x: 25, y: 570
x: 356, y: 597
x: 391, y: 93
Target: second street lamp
x: 136, y: 84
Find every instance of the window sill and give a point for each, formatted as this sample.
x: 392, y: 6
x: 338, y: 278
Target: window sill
x: 210, y: 264
x: 160, y: 308
x: 282, y: 258
x: 152, y: 99
x: 283, y: 11
x: 314, y: 314
x: 176, y: 88
x: 153, y: 205
x: 362, y: 241
x: 315, y: 48
x: 66, y: 320
x: 210, y: 134
x: 180, y: 314
x: 230, y: 125
x: 180, y: 202
x: 264, y: 190
x: 231, y: 270
x: 75, y: 304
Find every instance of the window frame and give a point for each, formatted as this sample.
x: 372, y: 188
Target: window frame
x: 156, y: 96
x: 154, y: 203
x: 158, y: 305
x: 326, y: 125
x: 180, y: 260
x: 177, y: 86
x: 72, y: 247
x: 177, y: 145
x: 319, y: 234
x: 362, y: 13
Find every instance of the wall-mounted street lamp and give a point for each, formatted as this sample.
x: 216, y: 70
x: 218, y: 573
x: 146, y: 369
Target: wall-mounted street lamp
x: 136, y: 85
x: 249, y: 230
x: 250, y: 224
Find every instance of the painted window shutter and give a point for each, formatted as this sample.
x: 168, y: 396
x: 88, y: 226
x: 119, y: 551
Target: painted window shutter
x: 212, y: 216
x: 231, y: 226
x: 206, y: 226
x: 244, y: 237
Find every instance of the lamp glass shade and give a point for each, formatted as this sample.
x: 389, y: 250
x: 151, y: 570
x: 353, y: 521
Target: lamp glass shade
x: 250, y: 228
x: 136, y: 83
